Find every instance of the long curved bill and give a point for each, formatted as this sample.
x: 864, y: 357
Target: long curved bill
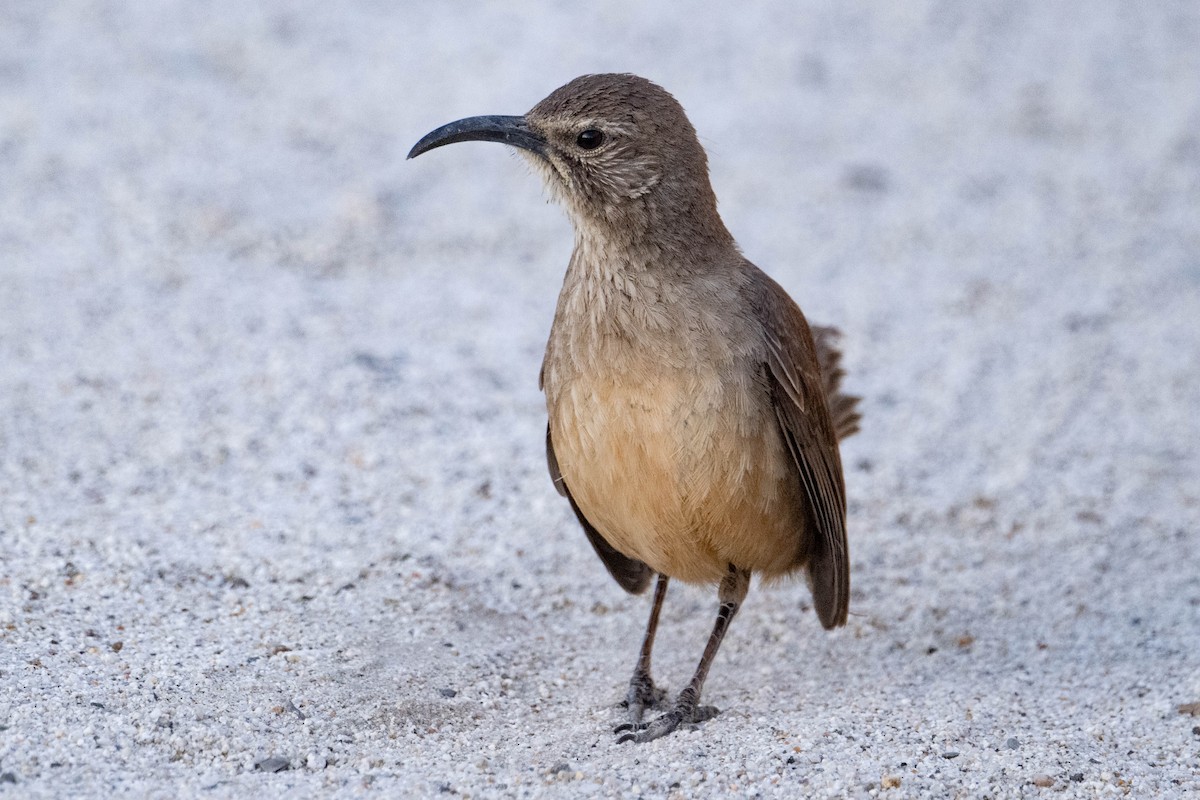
x: 506, y: 130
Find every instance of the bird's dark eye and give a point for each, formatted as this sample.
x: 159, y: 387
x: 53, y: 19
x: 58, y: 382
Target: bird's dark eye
x: 590, y: 139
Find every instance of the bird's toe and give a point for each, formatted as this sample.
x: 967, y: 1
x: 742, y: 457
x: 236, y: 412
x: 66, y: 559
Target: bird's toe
x: 642, y: 694
x: 681, y: 715
x: 702, y: 714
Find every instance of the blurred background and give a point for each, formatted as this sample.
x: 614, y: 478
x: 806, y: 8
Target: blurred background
x: 250, y: 357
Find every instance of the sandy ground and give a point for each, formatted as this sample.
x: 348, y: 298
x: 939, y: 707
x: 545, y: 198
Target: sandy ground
x: 274, y: 515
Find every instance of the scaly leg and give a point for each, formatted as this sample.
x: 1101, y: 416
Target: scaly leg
x: 642, y: 691
x: 687, y: 708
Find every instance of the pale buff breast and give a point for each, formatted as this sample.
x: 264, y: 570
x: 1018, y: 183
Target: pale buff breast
x: 676, y: 469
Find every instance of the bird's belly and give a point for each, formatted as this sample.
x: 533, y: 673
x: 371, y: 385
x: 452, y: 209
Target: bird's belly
x: 677, y: 471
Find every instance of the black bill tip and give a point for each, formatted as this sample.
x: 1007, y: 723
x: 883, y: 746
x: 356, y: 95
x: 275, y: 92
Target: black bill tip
x: 506, y: 130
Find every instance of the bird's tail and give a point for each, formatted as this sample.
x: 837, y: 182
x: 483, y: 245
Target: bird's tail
x: 843, y: 408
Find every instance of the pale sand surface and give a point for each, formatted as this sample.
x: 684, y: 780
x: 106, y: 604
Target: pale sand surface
x: 271, y: 463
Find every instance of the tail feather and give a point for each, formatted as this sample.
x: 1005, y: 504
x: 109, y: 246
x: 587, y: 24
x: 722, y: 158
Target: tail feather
x: 843, y: 408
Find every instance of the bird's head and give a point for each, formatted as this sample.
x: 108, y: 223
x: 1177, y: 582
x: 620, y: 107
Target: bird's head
x: 616, y: 150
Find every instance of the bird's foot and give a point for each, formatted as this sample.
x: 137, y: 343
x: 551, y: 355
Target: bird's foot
x: 642, y: 694
x: 685, y: 712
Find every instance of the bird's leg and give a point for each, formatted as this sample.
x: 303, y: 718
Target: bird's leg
x: 687, y: 708
x: 642, y: 691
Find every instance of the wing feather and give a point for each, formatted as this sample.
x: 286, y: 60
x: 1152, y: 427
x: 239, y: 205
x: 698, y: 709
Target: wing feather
x: 799, y: 388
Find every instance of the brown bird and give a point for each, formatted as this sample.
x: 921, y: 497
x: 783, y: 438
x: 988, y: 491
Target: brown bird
x: 694, y: 416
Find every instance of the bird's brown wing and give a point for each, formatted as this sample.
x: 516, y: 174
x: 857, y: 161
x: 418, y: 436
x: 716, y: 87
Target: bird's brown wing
x: 798, y: 395
x: 633, y: 575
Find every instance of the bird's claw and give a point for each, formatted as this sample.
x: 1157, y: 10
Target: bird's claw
x: 642, y: 694
x: 661, y: 726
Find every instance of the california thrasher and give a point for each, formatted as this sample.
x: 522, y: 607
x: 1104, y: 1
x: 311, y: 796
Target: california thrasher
x: 694, y: 417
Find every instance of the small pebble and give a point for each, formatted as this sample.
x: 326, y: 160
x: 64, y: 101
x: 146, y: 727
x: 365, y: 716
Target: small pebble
x: 447, y: 692
x: 950, y: 754
x: 1013, y: 743
x: 1043, y: 781
x: 272, y: 764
